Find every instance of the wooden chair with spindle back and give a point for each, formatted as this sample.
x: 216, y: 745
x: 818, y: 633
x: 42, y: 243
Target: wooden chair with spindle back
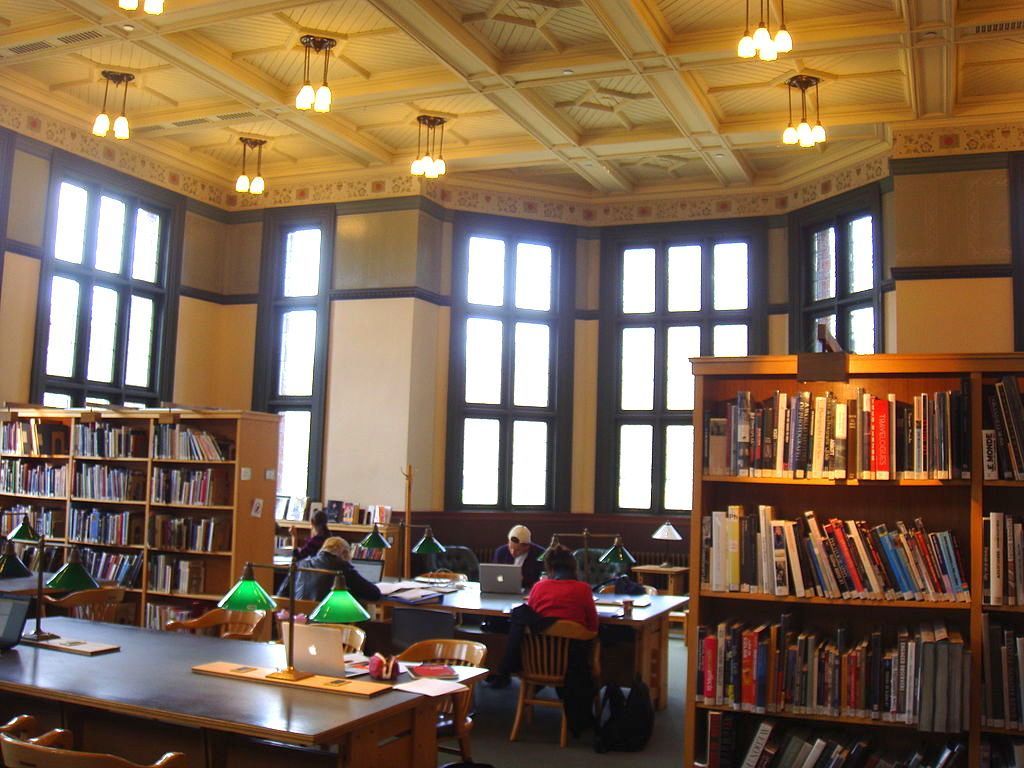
x: 54, y: 750
x: 545, y: 661
x: 230, y: 625
x: 92, y: 604
x: 452, y: 712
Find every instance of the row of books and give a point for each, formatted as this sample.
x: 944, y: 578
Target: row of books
x: 174, y: 574
x: 101, y: 526
x: 866, y: 437
x: 746, y: 552
x: 98, y: 481
x: 1003, y: 431
x: 192, y: 487
x: 108, y: 441
x: 120, y: 568
x: 1002, y: 559
x: 200, y: 534
x: 49, y: 522
x: 350, y: 513
x: 1002, y: 666
x: 157, y: 614
x: 773, y: 746
x: 18, y: 476
x: 1002, y: 753
x: 32, y: 438
x: 173, y: 441
x: 921, y: 677
x: 52, y: 557
x: 360, y: 552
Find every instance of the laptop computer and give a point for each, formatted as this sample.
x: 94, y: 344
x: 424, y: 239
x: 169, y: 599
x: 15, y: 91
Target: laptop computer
x: 501, y: 579
x: 13, y: 612
x: 371, y: 570
x: 318, y: 650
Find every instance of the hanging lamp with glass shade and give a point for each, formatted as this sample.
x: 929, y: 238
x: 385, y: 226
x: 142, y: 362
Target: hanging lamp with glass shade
x: 428, y: 545
x: 429, y: 161
x: 617, y: 554
x: 152, y: 7
x: 804, y: 135
x: 375, y: 540
x: 308, y: 98
x: 256, y: 185
x: 121, y: 129
x: 247, y: 594
x: 101, y: 125
x: 72, y: 577
x: 339, y: 607
x: 762, y: 43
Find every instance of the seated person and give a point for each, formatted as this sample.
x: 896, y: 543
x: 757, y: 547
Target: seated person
x: 334, y: 555
x: 561, y: 595
x: 521, y: 551
x: 317, y: 535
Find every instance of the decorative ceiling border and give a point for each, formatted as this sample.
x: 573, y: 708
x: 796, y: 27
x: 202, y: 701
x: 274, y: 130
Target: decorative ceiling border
x: 943, y: 140
x: 450, y: 193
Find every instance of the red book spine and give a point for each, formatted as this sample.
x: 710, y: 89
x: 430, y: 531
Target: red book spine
x: 844, y: 552
x: 748, y: 694
x: 710, y: 667
x: 880, y: 436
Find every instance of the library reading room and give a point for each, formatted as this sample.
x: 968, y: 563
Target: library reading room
x: 512, y: 383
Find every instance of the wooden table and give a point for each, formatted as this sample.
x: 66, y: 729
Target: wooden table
x: 675, y: 575
x: 651, y: 625
x: 26, y: 585
x: 150, y: 679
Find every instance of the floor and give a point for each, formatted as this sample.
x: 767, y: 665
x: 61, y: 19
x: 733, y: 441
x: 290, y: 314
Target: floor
x: 538, y: 743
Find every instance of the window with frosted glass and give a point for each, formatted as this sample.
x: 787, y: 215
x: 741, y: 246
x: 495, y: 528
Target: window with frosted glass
x: 505, y: 344
x: 103, y: 307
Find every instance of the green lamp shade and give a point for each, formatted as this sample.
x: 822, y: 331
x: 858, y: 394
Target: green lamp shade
x: 618, y: 554
x: 555, y: 544
x: 247, y: 595
x: 10, y: 566
x: 24, y: 533
x: 339, y: 607
x: 428, y: 545
x: 374, y: 540
x: 72, y: 577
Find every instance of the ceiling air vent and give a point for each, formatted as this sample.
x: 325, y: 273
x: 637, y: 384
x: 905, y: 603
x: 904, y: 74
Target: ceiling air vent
x: 80, y: 37
x: 40, y: 45
x: 186, y: 123
x: 1003, y: 26
x: 236, y: 116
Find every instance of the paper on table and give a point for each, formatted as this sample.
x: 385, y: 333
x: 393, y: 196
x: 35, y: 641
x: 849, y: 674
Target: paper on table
x: 389, y: 587
x: 431, y: 687
x: 609, y: 610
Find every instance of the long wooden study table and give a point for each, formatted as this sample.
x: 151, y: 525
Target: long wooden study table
x: 150, y: 681
x: 650, y: 656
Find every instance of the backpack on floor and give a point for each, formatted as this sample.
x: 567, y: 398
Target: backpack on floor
x: 625, y: 723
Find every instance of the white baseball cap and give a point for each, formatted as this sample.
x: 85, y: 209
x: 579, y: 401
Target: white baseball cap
x: 520, y: 533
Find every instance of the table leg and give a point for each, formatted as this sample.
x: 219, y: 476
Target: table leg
x: 651, y: 659
x: 408, y: 738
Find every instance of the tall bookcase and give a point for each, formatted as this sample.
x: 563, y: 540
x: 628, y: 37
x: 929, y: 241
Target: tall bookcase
x: 956, y: 505
x: 354, y: 533
x: 125, y: 498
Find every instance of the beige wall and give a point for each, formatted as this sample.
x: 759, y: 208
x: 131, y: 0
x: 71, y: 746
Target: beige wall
x: 214, y: 357
x: 584, y: 417
x: 30, y: 182
x: 954, y: 315
x: 18, y: 319
x: 778, y: 265
x: 377, y: 250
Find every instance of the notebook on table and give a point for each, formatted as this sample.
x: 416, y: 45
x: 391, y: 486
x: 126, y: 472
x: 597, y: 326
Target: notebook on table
x: 501, y: 579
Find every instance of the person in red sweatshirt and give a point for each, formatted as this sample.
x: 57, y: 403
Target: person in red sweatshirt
x: 561, y: 595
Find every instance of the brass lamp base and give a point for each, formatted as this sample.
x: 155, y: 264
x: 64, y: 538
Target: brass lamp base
x: 289, y: 673
x: 39, y: 637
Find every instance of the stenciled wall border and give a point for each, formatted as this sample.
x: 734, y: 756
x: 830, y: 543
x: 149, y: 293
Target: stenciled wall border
x: 937, y: 141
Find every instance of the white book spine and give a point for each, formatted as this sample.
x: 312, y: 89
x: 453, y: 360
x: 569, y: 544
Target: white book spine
x: 862, y: 553
x: 841, y: 432
x: 794, y: 560
x: 718, y: 553
x: 818, y: 453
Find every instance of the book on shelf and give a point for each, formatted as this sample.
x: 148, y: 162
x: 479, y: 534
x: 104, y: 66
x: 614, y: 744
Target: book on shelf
x: 1002, y: 753
x: 34, y: 437
x: 1003, y: 418
x: 176, y: 574
x: 51, y: 560
x: 201, y: 534
x: 297, y: 506
x: 159, y: 614
x: 117, y: 567
x: 31, y: 477
x: 824, y: 436
x: 47, y: 521
x: 99, y: 481
x: 1002, y: 703
x: 333, y: 510
x: 100, y: 440
x: 837, y: 559
x: 189, y: 487
x: 174, y: 441
x: 918, y: 676
x: 100, y: 526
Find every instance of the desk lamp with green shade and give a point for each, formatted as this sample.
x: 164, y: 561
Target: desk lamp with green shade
x: 615, y: 554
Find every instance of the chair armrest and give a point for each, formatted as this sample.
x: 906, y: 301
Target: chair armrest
x: 56, y: 738
x: 172, y: 760
x: 236, y: 636
x: 174, y: 626
x: 21, y: 725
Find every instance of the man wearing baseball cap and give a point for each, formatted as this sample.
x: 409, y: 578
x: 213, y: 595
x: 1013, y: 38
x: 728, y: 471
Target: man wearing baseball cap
x: 521, y: 551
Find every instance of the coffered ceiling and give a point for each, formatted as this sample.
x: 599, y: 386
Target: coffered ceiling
x: 591, y: 97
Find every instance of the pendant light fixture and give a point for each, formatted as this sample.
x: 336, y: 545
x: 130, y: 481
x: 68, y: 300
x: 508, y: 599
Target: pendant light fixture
x: 804, y: 134
x: 761, y: 43
x: 152, y: 7
x: 243, y: 183
x: 430, y: 164
x: 319, y: 100
x: 101, y: 125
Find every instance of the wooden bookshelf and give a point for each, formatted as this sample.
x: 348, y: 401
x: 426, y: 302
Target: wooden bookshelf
x: 356, y: 532
x: 955, y: 505
x: 251, y: 438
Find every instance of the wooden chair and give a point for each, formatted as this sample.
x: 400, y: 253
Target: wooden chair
x: 545, y: 661
x: 302, y: 608
x: 53, y: 750
x: 231, y: 625
x: 452, y: 712
x: 92, y: 604
x: 21, y: 726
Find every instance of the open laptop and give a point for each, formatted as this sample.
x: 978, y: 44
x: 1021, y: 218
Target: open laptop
x: 371, y: 570
x: 318, y: 650
x: 501, y: 579
x: 13, y: 612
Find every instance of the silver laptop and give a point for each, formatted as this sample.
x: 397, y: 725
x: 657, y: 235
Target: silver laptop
x: 371, y: 570
x: 502, y: 579
x: 319, y: 650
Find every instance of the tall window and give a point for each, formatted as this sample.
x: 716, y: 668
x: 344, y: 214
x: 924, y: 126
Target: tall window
x: 103, y: 299
x: 666, y: 301
x: 509, y: 395
x: 841, y: 273
x: 293, y: 341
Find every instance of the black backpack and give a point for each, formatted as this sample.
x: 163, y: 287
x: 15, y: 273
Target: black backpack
x: 629, y: 721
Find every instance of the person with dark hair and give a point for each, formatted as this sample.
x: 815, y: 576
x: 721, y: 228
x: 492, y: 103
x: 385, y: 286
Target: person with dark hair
x: 334, y: 555
x: 520, y: 550
x: 317, y: 535
x: 561, y: 595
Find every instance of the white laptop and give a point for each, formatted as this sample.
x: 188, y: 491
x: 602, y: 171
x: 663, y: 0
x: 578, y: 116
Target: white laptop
x: 318, y: 649
x: 371, y: 570
x: 502, y: 579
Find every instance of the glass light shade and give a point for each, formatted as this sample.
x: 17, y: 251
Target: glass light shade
x: 374, y: 540
x: 430, y: 170
x: 441, y: 166
x: 11, y: 566
x: 803, y: 131
x: 153, y: 7
x: 101, y: 125
x: 128, y: 5
x: 789, y: 135
x: 322, y: 101
x: 746, y: 48
x: 428, y: 545
x: 666, y: 532
x: 783, y: 40
x: 762, y: 36
x: 72, y: 577
x: 818, y: 133
x: 806, y: 141
x: 242, y: 183
x: 24, y: 533
x: 257, y: 186
x: 769, y: 52
x: 305, y: 97
x: 416, y: 169
x: 555, y: 544
x: 617, y: 554
x: 247, y: 595
x: 121, y: 128
x: 339, y: 607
